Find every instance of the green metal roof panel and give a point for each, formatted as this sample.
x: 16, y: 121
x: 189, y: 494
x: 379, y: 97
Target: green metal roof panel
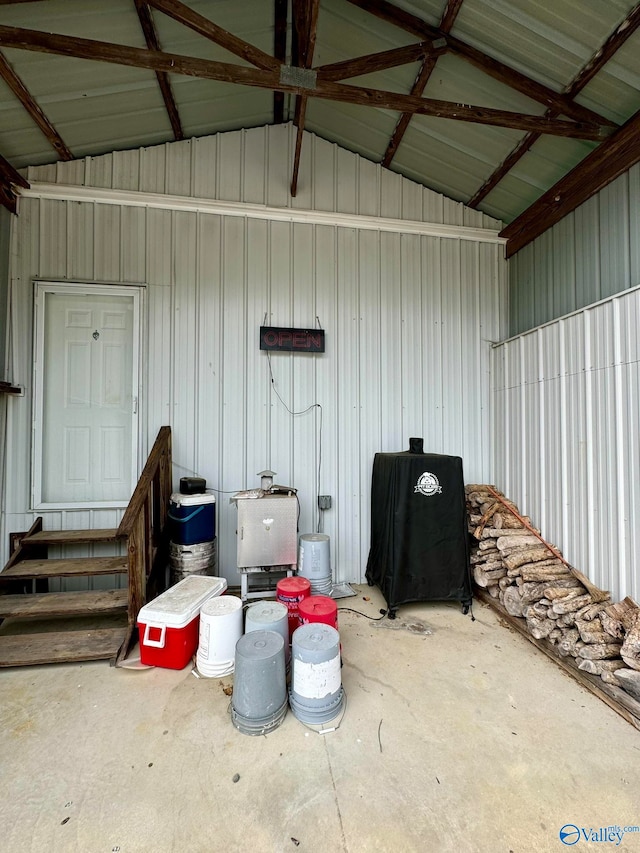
x: 98, y: 107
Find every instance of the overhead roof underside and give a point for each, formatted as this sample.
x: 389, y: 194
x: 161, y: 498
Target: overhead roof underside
x: 545, y: 97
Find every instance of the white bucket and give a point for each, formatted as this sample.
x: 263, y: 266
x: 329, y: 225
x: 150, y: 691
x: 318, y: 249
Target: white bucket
x: 316, y: 695
x: 314, y: 562
x: 220, y: 630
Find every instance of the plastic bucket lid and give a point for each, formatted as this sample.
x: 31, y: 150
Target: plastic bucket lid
x: 269, y: 616
x: 319, y: 608
x: 294, y: 587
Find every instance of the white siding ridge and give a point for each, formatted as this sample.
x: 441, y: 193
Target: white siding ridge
x: 130, y: 198
x: 585, y: 308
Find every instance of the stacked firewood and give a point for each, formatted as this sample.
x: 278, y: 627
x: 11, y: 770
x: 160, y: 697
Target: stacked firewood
x: 513, y: 563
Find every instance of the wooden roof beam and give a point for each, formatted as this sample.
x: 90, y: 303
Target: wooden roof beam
x: 381, y: 61
x: 280, y: 11
x: 494, y: 68
x: 9, y: 179
x: 305, y: 25
x: 305, y: 22
x: 448, y: 19
x: 204, y: 27
x: 599, y: 59
x: 450, y: 14
x: 153, y: 43
x: 99, y: 51
x: 598, y: 169
x: 28, y: 102
x: 401, y: 127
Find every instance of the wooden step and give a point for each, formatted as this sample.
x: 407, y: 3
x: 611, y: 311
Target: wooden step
x: 69, y: 537
x: 74, y: 567
x: 60, y: 647
x: 48, y: 604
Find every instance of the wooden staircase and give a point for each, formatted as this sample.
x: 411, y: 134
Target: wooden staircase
x: 56, y: 627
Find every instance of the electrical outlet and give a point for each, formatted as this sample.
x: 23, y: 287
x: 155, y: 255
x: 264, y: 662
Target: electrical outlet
x: 324, y: 501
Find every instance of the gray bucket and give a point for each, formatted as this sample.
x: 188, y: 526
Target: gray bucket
x: 314, y: 562
x: 270, y: 616
x: 259, y: 701
x: 316, y: 695
x: 198, y: 559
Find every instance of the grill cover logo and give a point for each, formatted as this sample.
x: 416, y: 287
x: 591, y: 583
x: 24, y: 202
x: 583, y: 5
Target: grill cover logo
x: 428, y: 485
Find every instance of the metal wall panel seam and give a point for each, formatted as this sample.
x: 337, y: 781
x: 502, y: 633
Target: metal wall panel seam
x: 591, y: 494
x: 619, y: 449
x: 197, y: 424
x: 565, y: 443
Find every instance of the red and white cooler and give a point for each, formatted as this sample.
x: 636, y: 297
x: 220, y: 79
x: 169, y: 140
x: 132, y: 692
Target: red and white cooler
x: 169, y: 625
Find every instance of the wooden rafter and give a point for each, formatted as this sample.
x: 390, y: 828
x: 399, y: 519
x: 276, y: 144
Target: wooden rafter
x: 450, y: 14
x: 378, y: 61
x: 505, y: 167
x: 43, y: 42
x: 280, y: 10
x: 199, y: 24
x: 403, y: 122
x: 582, y: 78
x: 603, y: 165
x: 305, y: 22
x: 153, y: 43
x: 448, y: 19
x: 28, y: 102
x: 494, y: 68
x: 600, y: 58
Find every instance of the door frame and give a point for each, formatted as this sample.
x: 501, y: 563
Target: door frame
x: 41, y: 289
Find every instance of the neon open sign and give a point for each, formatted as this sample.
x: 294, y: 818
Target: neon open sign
x: 291, y: 340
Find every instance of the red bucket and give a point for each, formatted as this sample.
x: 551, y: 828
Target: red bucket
x: 319, y: 608
x: 291, y: 592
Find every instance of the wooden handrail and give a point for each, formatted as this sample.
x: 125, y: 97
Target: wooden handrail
x: 161, y: 447
x: 144, y: 525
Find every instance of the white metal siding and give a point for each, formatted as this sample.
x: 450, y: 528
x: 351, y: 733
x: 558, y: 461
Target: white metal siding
x: 254, y: 166
x: 567, y: 414
x: 409, y: 323
x: 592, y: 253
x: 4, y: 285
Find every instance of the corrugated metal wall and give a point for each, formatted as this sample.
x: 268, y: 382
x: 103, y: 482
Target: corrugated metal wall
x: 567, y: 421
x: 5, y: 226
x: 254, y: 166
x: 592, y: 253
x: 409, y: 324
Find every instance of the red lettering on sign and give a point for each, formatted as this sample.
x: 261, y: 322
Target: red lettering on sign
x: 300, y: 340
x: 270, y: 338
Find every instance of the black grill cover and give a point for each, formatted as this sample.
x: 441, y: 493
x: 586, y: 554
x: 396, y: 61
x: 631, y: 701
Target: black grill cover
x: 419, y: 541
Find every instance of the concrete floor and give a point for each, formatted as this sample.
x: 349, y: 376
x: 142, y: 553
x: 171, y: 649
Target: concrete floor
x: 463, y: 739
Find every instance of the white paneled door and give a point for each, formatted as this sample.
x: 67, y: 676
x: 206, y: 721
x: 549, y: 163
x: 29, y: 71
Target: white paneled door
x: 86, y: 395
